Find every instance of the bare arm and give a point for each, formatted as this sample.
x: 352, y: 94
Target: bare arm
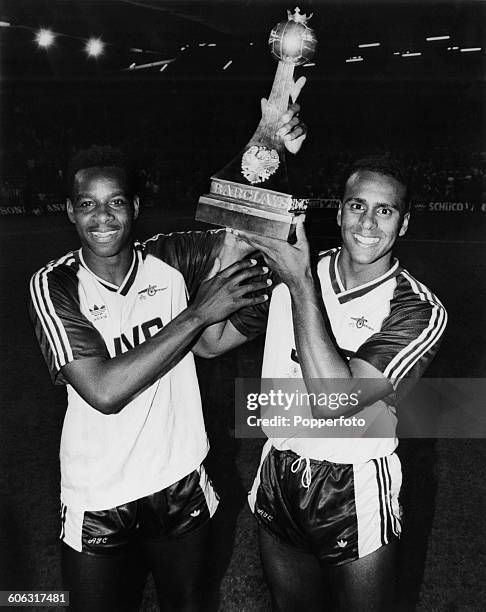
x: 319, y: 359
x: 320, y: 362
x: 109, y: 384
x: 223, y: 336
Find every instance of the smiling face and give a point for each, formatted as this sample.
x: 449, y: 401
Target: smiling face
x: 371, y: 218
x: 103, y: 212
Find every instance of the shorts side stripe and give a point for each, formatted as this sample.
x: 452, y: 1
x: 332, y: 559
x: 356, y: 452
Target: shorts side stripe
x: 379, y: 481
x: 393, y: 518
x: 387, y: 490
x: 252, y: 494
x: 72, y: 528
x: 212, y: 498
x: 63, y: 520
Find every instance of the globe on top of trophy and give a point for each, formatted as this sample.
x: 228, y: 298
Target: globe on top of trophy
x: 292, y: 40
x: 252, y: 192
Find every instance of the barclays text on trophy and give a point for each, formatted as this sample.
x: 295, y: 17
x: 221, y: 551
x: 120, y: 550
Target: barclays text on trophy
x: 253, y: 192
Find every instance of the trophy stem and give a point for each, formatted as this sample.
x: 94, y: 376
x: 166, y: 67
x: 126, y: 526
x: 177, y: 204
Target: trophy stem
x: 282, y: 85
x: 278, y: 102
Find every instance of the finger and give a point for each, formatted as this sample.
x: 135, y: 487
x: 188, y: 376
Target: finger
x: 297, y: 88
x: 253, y: 301
x: 245, y: 275
x: 253, y: 287
x: 262, y: 243
x: 286, y: 128
x: 298, y: 131
x: 257, y: 244
x: 291, y: 113
x: 294, y: 108
x: 243, y: 264
x: 247, y: 238
x: 215, y: 269
x: 300, y: 234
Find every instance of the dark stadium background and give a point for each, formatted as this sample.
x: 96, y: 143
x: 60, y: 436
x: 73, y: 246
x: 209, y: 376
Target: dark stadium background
x: 180, y: 125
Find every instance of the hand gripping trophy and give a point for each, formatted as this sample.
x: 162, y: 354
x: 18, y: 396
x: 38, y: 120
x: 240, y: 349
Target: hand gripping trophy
x: 252, y: 192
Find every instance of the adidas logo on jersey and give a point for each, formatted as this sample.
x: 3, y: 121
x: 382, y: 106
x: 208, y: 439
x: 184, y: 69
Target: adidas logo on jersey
x: 342, y: 543
x: 150, y: 291
x: 195, y: 513
x: 98, y: 312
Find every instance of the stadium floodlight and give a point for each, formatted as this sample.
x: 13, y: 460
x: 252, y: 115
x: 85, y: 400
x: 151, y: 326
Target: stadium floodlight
x: 211, y: 44
x: 94, y: 47
x: 433, y: 38
x: 309, y: 65
x: 367, y: 45
x: 132, y: 66
x: 164, y: 67
x: 414, y: 54
x: 351, y: 60
x: 202, y: 44
x: 227, y: 65
x: 5, y: 24
x: 470, y: 49
x: 44, y: 38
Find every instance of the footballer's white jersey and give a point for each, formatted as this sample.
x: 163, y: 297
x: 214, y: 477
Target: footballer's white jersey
x: 393, y: 322
x: 159, y: 437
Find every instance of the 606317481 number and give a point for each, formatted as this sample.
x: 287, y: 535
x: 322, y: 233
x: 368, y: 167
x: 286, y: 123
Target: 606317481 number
x: 34, y: 598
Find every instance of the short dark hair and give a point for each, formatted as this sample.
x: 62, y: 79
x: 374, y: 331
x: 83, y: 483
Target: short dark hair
x: 385, y: 164
x: 101, y: 156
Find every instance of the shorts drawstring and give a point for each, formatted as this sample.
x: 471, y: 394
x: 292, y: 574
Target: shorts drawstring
x: 306, y: 474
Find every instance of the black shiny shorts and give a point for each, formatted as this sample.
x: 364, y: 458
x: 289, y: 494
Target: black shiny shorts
x: 170, y: 513
x: 338, y: 512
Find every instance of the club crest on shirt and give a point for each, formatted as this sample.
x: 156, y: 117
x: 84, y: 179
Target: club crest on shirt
x: 360, y: 322
x: 98, y: 312
x: 150, y: 291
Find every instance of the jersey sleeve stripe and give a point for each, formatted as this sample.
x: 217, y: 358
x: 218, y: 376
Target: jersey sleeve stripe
x: 48, y: 322
x: 35, y: 293
x: 67, y: 354
x: 434, y: 334
x: 408, y: 357
x: 51, y: 323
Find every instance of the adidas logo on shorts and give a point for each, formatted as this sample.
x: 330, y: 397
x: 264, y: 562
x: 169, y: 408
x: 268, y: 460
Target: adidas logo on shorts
x: 342, y: 543
x: 195, y: 513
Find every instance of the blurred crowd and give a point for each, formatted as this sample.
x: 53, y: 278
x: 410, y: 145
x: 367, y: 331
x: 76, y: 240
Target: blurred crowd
x: 33, y: 162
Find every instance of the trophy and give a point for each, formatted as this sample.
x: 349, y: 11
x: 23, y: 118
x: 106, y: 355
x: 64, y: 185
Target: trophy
x: 253, y: 192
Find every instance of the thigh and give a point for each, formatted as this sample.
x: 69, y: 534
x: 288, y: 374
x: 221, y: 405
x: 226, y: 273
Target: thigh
x: 103, y: 583
x: 177, y: 565
x: 294, y: 577
x: 367, y: 583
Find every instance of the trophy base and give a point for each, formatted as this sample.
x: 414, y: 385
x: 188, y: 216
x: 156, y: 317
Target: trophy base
x: 240, y: 216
